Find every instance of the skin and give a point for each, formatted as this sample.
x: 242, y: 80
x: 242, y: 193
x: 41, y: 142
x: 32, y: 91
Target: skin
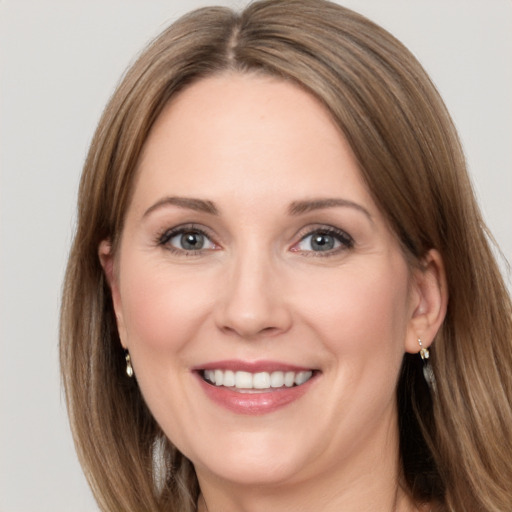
x: 253, y: 146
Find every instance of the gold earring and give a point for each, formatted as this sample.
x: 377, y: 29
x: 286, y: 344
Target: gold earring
x: 129, y: 367
x: 424, y: 353
x: 428, y: 373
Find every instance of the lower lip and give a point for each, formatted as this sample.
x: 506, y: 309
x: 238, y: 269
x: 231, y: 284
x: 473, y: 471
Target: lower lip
x: 254, y: 403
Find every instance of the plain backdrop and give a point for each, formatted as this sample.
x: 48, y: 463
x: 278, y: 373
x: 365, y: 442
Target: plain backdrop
x: 60, y: 61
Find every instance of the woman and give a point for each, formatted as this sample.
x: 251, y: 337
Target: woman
x: 281, y: 294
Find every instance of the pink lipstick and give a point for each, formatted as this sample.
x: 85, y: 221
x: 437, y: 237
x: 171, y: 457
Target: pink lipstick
x: 256, y: 387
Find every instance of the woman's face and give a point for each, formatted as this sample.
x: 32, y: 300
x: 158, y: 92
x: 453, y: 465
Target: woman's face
x: 265, y: 303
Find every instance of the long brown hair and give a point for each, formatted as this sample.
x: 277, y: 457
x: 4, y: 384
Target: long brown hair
x: 456, y: 442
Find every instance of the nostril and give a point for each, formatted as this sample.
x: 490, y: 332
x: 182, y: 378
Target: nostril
x: 251, y: 312
x: 251, y: 334
x: 269, y: 330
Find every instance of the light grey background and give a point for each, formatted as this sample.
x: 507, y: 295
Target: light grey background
x: 60, y: 61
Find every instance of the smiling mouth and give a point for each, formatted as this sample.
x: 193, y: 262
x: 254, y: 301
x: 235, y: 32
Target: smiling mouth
x: 247, y: 382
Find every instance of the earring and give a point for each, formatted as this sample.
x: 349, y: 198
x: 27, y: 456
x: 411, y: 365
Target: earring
x: 428, y: 373
x: 424, y: 353
x: 129, y: 367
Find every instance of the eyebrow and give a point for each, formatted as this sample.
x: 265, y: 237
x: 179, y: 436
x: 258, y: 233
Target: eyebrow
x: 295, y: 208
x: 301, y: 207
x: 199, y: 205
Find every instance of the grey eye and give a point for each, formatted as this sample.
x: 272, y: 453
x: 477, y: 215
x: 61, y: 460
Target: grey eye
x: 319, y: 242
x: 322, y: 242
x: 191, y: 241
x: 325, y: 240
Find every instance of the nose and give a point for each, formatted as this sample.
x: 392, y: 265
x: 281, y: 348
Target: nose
x: 253, y: 300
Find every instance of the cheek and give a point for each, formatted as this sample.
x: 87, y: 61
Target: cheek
x: 161, y: 309
x: 361, y: 311
x: 362, y: 320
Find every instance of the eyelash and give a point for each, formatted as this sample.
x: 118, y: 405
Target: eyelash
x: 165, y: 237
x: 345, y: 240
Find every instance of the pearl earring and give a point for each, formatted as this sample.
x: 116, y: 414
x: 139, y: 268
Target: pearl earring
x: 129, y: 367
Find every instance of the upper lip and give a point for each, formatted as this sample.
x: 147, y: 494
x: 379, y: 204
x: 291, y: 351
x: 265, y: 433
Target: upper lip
x: 251, y: 366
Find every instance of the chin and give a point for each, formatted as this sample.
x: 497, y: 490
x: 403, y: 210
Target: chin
x: 254, y: 462
x: 267, y: 472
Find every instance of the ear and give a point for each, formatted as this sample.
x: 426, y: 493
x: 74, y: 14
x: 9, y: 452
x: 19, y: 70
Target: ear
x: 429, y: 299
x: 108, y: 263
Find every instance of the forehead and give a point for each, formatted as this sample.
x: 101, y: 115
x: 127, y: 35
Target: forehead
x: 248, y: 135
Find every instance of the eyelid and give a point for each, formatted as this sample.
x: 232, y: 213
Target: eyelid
x: 345, y: 239
x: 164, y: 236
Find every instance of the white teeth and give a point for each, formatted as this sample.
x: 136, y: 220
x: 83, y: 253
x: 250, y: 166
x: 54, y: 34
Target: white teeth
x: 219, y: 377
x: 277, y: 379
x: 243, y: 380
x: 302, y: 377
x: 229, y: 379
x: 259, y: 380
x: 289, y: 379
